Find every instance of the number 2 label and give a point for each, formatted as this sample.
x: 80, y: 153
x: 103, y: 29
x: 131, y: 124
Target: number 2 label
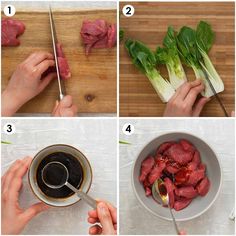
x: 128, y: 10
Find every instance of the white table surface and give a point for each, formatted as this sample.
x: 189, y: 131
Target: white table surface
x: 97, y: 139
x: 219, y: 133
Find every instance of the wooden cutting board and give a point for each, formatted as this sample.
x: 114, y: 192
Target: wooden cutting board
x: 149, y: 24
x: 93, y: 82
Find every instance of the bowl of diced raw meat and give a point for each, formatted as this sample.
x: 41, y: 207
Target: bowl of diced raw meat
x: 190, y: 170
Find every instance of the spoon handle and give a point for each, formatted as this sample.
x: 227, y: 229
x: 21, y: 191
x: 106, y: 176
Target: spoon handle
x: 173, y: 218
x: 84, y: 196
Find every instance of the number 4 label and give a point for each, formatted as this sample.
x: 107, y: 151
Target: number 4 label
x: 128, y: 129
x: 128, y: 10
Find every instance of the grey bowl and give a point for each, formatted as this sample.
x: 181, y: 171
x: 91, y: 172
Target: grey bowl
x: 59, y: 202
x: 200, y: 204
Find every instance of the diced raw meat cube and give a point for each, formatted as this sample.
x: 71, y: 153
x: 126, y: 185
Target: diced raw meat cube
x: 203, y: 187
x: 146, y: 167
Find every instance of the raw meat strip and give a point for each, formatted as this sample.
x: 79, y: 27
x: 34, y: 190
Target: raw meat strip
x: 181, y: 204
x: 187, y: 146
x: 196, y: 157
x: 170, y: 190
x: 11, y: 29
x: 203, y: 187
x: 98, y: 34
x: 163, y: 147
x: 195, y: 177
x: 178, y: 154
x: 146, y: 167
x: 156, y: 172
x: 187, y: 192
x: 62, y: 63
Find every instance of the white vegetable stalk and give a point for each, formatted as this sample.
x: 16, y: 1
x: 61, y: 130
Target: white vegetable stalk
x: 163, y: 88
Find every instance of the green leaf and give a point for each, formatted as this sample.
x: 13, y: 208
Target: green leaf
x: 186, y: 41
x: 204, y: 36
x: 124, y: 142
x: 121, y: 34
x: 5, y: 142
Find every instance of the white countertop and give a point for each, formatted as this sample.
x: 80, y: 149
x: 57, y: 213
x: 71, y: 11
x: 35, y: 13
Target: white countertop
x: 219, y: 133
x: 97, y: 139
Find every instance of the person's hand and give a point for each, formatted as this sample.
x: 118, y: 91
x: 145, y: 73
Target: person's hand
x: 27, y: 81
x: 14, y: 218
x: 106, y: 216
x: 65, y: 107
x: 184, y: 101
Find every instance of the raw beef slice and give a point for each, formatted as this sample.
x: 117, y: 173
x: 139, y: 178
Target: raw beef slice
x: 11, y: 29
x: 203, y: 187
x: 98, y: 34
x: 62, y: 63
x: 181, y: 204
x: 146, y: 167
x: 170, y: 190
x: 187, y: 192
x: 178, y: 154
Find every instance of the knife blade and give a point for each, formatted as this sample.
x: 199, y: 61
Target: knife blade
x: 61, y: 86
x: 214, y: 91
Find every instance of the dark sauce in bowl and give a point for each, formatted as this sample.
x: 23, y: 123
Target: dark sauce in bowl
x: 75, y: 174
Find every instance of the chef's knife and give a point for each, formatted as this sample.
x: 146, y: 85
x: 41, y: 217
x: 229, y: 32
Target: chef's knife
x: 62, y: 91
x: 214, y: 91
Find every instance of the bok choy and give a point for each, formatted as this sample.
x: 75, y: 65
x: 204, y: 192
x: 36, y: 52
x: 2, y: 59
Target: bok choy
x: 144, y: 59
x: 169, y: 56
x: 204, y: 41
x: 193, y: 47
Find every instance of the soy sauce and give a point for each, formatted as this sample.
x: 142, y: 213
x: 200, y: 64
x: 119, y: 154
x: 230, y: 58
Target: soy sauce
x: 75, y: 174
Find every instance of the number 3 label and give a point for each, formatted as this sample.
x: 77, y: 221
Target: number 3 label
x: 9, y: 128
x: 128, y: 129
x: 9, y: 10
x: 128, y: 10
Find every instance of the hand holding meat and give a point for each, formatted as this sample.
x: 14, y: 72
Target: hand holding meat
x: 106, y: 216
x: 27, y: 81
x: 184, y: 102
x: 14, y: 218
x: 65, y: 108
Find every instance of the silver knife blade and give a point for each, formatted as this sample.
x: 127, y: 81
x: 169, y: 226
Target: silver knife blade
x: 54, y: 43
x: 214, y: 91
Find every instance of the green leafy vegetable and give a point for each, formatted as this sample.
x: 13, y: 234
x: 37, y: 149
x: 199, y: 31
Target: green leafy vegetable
x: 121, y: 34
x: 144, y: 59
x: 169, y: 56
x: 204, y: 41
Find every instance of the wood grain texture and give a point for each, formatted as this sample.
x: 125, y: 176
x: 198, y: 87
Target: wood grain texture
x: 149, y: 24
x: 93, y: 82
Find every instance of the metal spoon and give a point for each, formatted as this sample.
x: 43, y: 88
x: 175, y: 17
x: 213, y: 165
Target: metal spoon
x: 62, y: 180
x: 160, y: 194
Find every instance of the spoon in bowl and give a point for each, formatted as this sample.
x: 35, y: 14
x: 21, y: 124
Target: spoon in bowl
x: 56, y: 182
x: 159, y: 193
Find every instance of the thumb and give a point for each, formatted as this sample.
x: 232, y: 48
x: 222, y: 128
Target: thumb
x: 199, y: 106
x: 34, y: 210
x: 105, y: 218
